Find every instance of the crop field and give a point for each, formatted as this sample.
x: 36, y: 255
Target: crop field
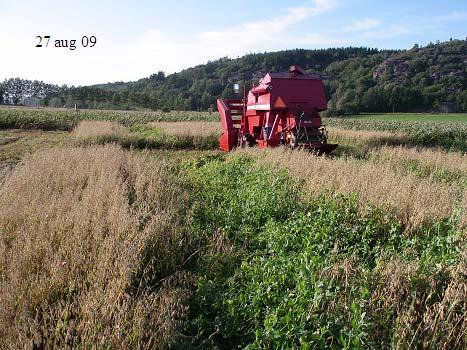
x: 66, y: 119
x: 449, y: 135
x: 132, y: 230
x: 416, y: 117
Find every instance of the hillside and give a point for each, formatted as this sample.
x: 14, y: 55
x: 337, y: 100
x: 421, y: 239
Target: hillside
x: 429, y: 78
x: 356, y: 79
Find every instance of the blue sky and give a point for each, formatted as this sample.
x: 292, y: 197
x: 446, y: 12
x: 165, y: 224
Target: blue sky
x: 138, y: 38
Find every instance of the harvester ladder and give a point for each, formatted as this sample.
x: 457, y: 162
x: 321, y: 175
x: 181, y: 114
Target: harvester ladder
x: 236, y: 110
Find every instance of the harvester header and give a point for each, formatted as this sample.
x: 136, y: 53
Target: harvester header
x: 282, y: 109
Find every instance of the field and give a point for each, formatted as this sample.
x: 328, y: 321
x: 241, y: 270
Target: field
x: 66, y: 119
x: 131, y: 230
x: 416, y: 117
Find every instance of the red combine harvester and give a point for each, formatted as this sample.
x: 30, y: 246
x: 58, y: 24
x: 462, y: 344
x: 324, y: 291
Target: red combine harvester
x: 283, y: 109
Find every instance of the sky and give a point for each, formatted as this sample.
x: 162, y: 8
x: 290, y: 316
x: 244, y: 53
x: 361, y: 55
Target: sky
x: 138, y: 38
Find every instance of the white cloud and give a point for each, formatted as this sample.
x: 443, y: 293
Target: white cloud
x: 319, y: 40
x: 117, y: 57
x: 161, y: 50
x: 253, y: 35
x: 368, y: 29
x: 428, y: 26
x: 155, y: 49
x: 363, y: 24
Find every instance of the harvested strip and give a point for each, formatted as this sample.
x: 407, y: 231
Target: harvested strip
x: 7, y: 140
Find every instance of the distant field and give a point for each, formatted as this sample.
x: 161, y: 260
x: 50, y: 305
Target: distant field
x: 417, y: 117
x: 66, y: 119
x: 426, y: 133
x: 428, y: 130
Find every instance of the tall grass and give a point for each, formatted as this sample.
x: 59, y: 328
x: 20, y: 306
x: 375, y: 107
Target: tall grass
x: 140, y: 136
x: 101, y: 247
x: 415, y: 200
x: 358, y: 143
x: 433, y: 158
x: 429, y: 134
x: 100, y: 130
x: 204, y: 128
x: 423, y: 133
x: 89, y: 250
x: 105, y: 248
x: 369, y: 138
x: 448, y: 167
x: 295, y: 273
x: 47, y: 119
x: 421, y: 117
x: 5, y: 170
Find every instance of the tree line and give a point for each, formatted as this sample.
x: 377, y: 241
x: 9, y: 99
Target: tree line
x: 357, y: 79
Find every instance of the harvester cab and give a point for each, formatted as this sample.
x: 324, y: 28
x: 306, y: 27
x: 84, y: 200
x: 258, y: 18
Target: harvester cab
x: 282, y: 109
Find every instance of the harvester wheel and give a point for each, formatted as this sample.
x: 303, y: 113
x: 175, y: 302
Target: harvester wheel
x: 248, y: 140
x: 293, y: 141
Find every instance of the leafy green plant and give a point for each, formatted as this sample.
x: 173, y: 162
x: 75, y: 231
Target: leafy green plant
x: 301, y: 274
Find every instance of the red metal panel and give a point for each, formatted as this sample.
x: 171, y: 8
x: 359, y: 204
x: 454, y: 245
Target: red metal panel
x: 225, y: 114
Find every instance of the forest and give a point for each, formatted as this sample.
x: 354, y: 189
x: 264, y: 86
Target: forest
x: 431, y: 78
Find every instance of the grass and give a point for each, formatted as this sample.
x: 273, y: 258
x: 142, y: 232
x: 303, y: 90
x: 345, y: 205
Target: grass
x: 140, y: 136
x: 113, y: 235
x: 65, y: 119
x: 449, y: 135
x: 392, y: 147
x: 416, y: 117
x: 17, y: 143
x: 200, y: 128
x: 194, y: 254
x: 413, y: 199
x: 86, y: 252
x: 391, y: 179
x: 439, y: 165
x: 320, y: 273
x: 358, y: 143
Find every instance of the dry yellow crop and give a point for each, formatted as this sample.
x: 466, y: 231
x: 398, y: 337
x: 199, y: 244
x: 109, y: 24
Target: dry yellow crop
x: 189, y: 128
x: 416, y: 200
x: 85, y: 232
x: 366, y: 137
x: 98, y: 129
x: 434, y: 159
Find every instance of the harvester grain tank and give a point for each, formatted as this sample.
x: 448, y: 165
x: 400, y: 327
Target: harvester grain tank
x: 282, y: 109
